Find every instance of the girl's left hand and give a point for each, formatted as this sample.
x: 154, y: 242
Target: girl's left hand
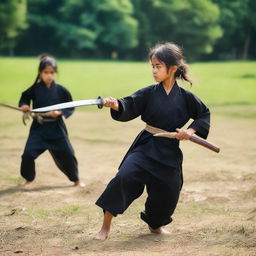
x: 54, y: 113
x: 184, y: 134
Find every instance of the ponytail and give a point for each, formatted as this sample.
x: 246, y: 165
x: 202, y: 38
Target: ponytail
x: 182, y: 72
x: 37, y: 78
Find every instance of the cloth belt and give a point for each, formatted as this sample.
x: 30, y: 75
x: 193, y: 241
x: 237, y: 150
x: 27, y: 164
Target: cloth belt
x: 45, y: 120
x: 40, y: 119
x: 153, y: 130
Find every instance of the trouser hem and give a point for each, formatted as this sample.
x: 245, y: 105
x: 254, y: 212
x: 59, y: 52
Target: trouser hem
x: 154, y: 223
x: 107, y: 209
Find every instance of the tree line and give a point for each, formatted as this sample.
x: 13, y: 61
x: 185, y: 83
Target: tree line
x: 125, y: 29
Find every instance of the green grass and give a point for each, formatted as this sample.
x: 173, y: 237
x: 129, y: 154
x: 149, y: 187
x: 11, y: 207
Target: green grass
x: 37, y: 212
x: 216, y: 83
x: 7, y: 177
x: 69, y: 210
x: 226, y: 83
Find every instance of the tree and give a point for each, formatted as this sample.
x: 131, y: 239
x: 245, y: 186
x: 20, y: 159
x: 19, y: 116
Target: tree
x: 108, y: 24
x: 12, y: 21
x: 120, y: 27
x: 239, y: 24
x: 80, y: 27
x: 183, y: 22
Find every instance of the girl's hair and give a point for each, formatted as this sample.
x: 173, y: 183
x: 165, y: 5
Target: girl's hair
x: 171, y: 54
x: 45, y: 61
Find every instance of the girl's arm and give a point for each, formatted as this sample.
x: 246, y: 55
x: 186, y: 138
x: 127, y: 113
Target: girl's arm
x: 128, y: 108
x: 25, y: 99
x: 200, y: 113
x: 65, y: 97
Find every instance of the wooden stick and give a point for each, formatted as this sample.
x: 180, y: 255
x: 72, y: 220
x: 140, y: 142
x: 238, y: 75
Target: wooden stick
x: 193, y: 138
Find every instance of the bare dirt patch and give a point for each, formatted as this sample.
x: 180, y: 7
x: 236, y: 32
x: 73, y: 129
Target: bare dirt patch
x: 215, y: 215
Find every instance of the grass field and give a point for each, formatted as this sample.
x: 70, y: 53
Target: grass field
x: 220, y: 83
x: 216, y: 214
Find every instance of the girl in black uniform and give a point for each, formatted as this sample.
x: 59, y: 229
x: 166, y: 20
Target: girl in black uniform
x: 51, y: 134
x: 154, y: 162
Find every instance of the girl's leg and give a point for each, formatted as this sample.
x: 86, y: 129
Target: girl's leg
x: 27, y: 168
x: 103, y: 234
x: 161, y: 202
x: 63, y: 155
x: 33, y: 149
x: 122, y: 190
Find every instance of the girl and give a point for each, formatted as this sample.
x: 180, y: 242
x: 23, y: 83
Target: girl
x: 52, y: 133
x: 154, y: 162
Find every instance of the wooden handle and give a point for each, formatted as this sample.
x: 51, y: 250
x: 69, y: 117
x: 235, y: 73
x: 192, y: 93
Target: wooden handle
x: 193, y: 138
x: 204, y: 143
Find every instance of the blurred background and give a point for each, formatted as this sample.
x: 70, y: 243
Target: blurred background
x: 125, y: 29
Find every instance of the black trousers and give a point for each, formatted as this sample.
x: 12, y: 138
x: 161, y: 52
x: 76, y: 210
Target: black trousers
x: 61, y: 151
x: 128, y: 184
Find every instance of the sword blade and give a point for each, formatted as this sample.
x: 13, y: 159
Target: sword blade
x: 70, y: 104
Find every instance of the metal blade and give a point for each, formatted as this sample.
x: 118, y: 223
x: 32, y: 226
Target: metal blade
x: 70, y: 104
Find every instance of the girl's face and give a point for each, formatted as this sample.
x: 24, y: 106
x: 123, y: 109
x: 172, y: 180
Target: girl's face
x: 159, y: 70
x: 47, y: 75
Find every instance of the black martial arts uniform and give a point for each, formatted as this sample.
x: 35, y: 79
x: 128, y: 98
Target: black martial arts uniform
x: 154, y: 161
x: 51, y: 135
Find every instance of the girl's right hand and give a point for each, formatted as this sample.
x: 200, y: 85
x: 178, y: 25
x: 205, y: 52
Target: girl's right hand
x: 25, y: 108
x: 53, y: 114
x: 111, y: 103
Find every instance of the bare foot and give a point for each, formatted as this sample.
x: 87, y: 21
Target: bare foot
x: 79, y: 184
x: 26, y: 184
x: 102, y: 235
x: 105, y: 229
x: 160, y: 230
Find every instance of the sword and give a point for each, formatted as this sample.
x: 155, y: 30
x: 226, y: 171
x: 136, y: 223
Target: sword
x: 10, y: 106
x: 192, y: 138
x: 71, y: 104
x: 26, y: 115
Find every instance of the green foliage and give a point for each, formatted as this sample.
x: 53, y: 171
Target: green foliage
x: 183, y: 22
x: 81, y: 28
x: 125, y: 29
x: 237, y: 19
x: 12, y: 21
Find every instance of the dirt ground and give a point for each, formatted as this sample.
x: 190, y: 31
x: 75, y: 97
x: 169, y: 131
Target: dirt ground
x: 216, y: 214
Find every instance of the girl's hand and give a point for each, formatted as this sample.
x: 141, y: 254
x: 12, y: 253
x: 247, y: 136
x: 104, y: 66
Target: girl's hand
x: 111, y: 103
x: 54, y: 113
x: 25, y: 108
x: 184, y: 134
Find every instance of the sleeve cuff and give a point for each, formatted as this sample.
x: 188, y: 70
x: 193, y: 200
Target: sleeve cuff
x: 201, y: 129
x: 117, y: 114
